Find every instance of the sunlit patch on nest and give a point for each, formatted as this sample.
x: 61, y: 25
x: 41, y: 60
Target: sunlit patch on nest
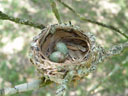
x: 79, y: 55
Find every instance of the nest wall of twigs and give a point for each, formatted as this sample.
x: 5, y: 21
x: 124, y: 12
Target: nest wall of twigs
x: 80, y: 56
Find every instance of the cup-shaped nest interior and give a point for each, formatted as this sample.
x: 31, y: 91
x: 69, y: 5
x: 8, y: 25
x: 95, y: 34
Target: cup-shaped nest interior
x: 77, y: 44
x: 53, y: 61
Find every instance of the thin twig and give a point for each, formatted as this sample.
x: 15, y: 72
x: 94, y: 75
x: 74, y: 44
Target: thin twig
x: 116, y: 68
x: 4, y: 16
x: 92, y: 21
x: 55, y: 11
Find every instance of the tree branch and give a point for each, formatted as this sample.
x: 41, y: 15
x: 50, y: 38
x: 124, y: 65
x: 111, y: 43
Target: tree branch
x: 114, y: 50
x: 4, y: 16
x: 24, y: 87
x: 21, y: 88
x: 92, y: 21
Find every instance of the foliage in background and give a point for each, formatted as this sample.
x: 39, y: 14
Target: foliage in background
x: 15, y: 67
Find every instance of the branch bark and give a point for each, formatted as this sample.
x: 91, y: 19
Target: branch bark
x: 92, y: 21
x: 21, y: 88
x: 114, y: 50
x: 4, y: 16
x: 24, y: 87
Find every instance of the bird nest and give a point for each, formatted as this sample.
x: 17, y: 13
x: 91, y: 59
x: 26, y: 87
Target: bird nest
x: 79, y: 57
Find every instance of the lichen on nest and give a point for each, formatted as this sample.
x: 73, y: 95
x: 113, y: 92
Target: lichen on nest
x: 79, y: 52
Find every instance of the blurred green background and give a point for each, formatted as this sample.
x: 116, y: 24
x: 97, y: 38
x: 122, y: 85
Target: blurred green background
x: 15, y: 39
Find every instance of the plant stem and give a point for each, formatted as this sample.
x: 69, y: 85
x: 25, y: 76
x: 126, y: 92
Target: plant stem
x: 55, y: 11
